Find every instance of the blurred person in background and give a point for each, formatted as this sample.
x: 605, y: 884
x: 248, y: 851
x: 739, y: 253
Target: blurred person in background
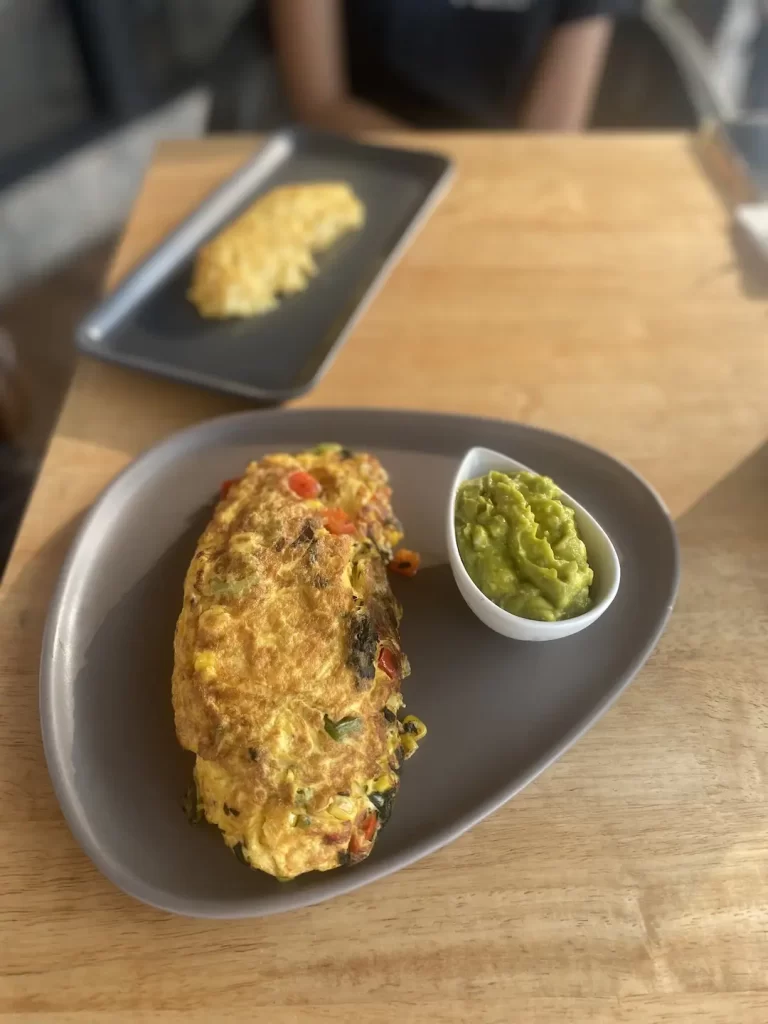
x: 359, y: 64
x: 16, y: 473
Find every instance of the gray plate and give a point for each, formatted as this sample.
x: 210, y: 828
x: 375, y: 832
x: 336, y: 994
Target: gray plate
x: 498, y: 711
x: 148, y: 323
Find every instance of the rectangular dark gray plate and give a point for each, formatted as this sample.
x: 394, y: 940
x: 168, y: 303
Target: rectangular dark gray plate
x: 149, y: 324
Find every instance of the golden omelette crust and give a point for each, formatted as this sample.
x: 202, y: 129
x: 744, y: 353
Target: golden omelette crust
x: 280, y: 633
x: 268, y: 251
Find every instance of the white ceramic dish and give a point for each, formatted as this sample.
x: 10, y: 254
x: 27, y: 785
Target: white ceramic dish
x: 600, y: 551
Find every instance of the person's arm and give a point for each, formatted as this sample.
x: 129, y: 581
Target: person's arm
x: 309, y: 37
x: 567, y: 76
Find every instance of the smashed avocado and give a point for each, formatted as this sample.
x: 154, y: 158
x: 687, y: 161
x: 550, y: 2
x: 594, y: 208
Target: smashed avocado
x: 520, y: 545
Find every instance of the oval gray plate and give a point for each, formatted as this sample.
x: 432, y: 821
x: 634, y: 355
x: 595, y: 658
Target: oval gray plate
x: 498, y: 711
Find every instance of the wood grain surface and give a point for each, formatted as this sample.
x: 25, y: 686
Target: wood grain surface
x: 584, y: 284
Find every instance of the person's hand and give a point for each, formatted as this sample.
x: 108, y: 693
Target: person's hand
x: 567, y: 76
x: 350, y: 115
x: 310, y: 41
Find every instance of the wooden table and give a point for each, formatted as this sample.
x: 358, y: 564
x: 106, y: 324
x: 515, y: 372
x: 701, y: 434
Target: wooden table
x: 584, y: 284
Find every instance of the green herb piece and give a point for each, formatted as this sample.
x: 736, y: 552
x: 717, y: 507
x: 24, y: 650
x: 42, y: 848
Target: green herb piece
x: 332, y: 448
x: 344, y: 727
x: 219, y: 586
x: 383, y: 804
x: 191, y: 805
x: 239, y: 851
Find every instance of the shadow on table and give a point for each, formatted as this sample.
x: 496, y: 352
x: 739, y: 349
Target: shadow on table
x: 733, y: 509
x: 30, y: 797
x: 723, y: 602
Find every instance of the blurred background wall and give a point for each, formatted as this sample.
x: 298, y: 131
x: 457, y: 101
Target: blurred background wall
x: 88, y: 86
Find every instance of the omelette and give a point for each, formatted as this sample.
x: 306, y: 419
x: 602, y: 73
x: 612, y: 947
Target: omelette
x: 288, y: 665
x: 270, y: 249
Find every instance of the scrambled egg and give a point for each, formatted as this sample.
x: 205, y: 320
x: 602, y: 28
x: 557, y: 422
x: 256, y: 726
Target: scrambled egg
x: 268, y: 251
x: 288, y: 663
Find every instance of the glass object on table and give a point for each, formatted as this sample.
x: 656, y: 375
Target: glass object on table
x: 721, y: 47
